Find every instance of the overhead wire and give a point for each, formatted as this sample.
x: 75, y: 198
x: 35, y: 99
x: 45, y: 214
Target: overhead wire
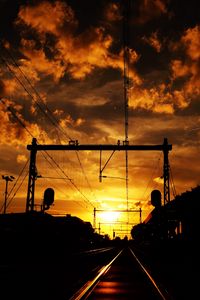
x: 54, y: 122
x: 52, y: 119
x: 19, y: 186
x: 62, y: 192
x: 21, y: 83
x: 40, y: 104
x: 63, y: 172
x: 13, y: 187
x: 20, y: 174
x: 69, y: 179
x: 46, y: 156
x: 172, y: 182
x: 126, y: 16
x: 154, y: 170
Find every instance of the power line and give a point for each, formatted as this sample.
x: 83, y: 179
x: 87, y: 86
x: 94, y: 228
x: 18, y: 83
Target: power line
x: 52, y: 119
x: 24, y: 87
x: 17, y: 189
x: 63, y: 172
x: 126, y: 16
x: 58, y: 188
x: 19, y: 176
x: 152, y: 175
x: 10, y: 109
x: 172, y: 183
x: 62, y: 192
x: 71, y: 181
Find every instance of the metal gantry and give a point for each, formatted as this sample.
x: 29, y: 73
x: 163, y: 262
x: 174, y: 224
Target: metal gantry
x: 34, y: 147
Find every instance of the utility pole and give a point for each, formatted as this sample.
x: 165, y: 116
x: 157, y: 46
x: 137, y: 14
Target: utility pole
x: 94, y: 222
x: 7, y: 178
x: 126, y: 46
x: 166, y: 172
x: 32, y: 178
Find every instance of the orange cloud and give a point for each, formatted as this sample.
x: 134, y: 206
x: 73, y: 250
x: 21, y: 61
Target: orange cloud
x: 151, y: 9
x: 156, y: 99
x: 191, y: 40
x: 47, y: 17
x: 153, y: 41
x: 179, y: 69
x: 8, y: 87
x: 2, y: 89
x: 12, y: 86
x: 21, y: 158
x: 38, y: 62
x: 64, y: 123
x: 58, y: 112
x: 77, y: 55
x: 161, y: 99
x: 159, y: 180
x: 180, y: 99
x: 85, y: 52
x: 189, y: 67
x: 112, y: 12
x: 79, y: 122
x: 18, y: 135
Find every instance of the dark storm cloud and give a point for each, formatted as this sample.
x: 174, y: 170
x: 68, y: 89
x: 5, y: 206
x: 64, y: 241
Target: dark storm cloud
x: 98, y: 99
x: 2, y: 89
x: 9, y: 161
x: 78, y: 54
x: 147, y: 10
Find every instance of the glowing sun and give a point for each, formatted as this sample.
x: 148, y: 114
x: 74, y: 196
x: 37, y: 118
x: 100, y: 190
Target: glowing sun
x: 109, y: 216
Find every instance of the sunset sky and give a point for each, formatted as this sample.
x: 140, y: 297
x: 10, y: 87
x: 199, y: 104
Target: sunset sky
x: 61, y: 79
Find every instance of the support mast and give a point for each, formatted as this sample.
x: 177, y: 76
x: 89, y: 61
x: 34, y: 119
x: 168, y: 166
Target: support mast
x: 126, y: 17
x: 32, y: 177
x: 166, y: 172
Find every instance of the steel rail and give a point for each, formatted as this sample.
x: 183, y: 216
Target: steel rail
x: 85, y: 291
x: 92, y: 283
x: 149, y: 276
x: 94, y: 251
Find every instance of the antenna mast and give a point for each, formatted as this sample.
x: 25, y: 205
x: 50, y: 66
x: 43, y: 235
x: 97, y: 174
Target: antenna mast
x: 126, y: 21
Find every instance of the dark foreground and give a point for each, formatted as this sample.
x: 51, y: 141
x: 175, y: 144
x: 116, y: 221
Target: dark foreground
x: 36, y: 272
x: 46, y: 258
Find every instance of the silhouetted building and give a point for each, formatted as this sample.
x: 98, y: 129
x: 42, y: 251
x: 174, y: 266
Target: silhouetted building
x: 39, y: 235
x: 178, y: 219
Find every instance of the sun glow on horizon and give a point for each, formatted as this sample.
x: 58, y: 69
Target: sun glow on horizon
x: 109, y: 216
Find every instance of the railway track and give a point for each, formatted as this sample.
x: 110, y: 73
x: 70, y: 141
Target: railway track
x: 123, y: 277
x: 57, y: 277
x: 104, y: 273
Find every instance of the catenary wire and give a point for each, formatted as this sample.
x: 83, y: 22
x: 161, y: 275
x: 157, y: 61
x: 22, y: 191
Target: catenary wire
x: 52, y: 119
